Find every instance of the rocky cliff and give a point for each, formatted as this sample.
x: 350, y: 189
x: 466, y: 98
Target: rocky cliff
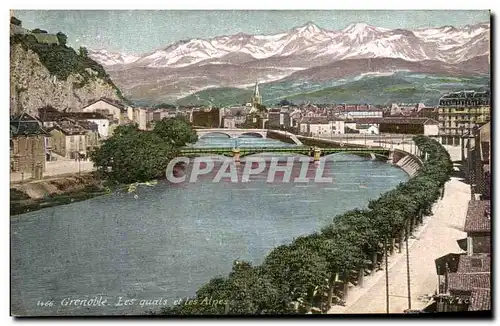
x: 32, y: 85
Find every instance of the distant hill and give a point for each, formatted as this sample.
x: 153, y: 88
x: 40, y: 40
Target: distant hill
x: 374, y: 89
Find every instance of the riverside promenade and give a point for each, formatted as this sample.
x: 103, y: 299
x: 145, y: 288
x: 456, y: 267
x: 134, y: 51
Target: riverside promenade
x: 436, y: 237
x: 56, y: 168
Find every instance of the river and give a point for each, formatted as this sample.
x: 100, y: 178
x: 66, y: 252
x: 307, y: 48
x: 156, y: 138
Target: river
x: 164, y: 242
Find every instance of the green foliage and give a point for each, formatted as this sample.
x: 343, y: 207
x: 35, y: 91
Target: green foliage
x: 261, y: 108
x: 176, y: 131
x: 132, y: 155
x: 15, y: 21
x: 299, y: 273
x: 62, y: 61
x: 83, y: 52
x: 298, y: 270
x: 165, y: 106
x: 38, y: 30
x: 62, y: 38
x: 247, y: 291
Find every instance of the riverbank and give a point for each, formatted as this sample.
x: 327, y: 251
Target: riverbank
x: 38, y: 194
x: 436, y: 237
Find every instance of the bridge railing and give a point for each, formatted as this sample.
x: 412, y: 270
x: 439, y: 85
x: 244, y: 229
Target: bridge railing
x: 283, y: 149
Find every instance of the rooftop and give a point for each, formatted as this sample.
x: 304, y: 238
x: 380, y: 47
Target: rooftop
x: 468, y: 281
x: 467, y: 95
x: 107, y: 100
x: 397, y: 120
x: 474, y: 264
x: 24, y: 124
x: 69, y: 127
x: 480, y: 300
x: 478, y: 216
x: 315, y: 120
x: 51, y: 114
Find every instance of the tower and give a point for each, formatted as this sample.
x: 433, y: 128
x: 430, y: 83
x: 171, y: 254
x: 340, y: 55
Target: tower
x: 256, y: 98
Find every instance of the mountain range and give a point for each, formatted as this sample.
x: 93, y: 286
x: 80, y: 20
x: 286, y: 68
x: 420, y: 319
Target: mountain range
x: 304, y: 55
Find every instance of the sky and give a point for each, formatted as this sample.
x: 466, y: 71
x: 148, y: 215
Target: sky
x: 143, y: 31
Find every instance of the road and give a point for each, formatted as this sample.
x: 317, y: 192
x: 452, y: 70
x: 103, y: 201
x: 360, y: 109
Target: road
x: 435, y: 238
x: 54, y: 168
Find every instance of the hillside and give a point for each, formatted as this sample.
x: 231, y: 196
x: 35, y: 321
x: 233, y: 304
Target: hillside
x: 52, y: 73
x: 368, y: 88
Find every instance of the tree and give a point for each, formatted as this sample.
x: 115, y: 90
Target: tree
x: 165, y: 106
x: 175, y: 131
x: 285, y: 102
x: 299, y: 271
x: 261, y: 107
x: 131, y: 155
x: 38, y: 30
x: 84, y: 53
x: 247, y: 290
x: 62, y: 38
x: 15, y: 21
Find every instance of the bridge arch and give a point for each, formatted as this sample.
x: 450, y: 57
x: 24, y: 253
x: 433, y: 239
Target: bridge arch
x: 273, y: 154
x: 213, y: 134
x: 373, y: 155
x: 251, y: 134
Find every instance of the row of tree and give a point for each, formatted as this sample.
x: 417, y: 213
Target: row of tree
x: 308, y: 274
x: 132, y: 155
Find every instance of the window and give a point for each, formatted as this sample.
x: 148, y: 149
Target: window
x: 475, y: 262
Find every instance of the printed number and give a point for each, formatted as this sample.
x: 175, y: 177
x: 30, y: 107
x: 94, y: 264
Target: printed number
x: 45, y: 303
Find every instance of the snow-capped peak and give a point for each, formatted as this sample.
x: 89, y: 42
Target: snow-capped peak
x: 309, y: 27
x: 357, y: 40
x: 107, y: 58
x: 360, y: 32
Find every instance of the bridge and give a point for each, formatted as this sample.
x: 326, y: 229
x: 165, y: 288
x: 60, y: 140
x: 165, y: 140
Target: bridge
x: 236, y: 133
x: 232, y: 133
x: 315, y: 152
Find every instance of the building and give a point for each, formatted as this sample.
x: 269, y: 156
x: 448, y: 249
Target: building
x: 46, y: 38
x: 355, y: 111
x: 113, y: 111
x: 477, y: 163
x: 69, y: 139
x: 321, y: 127
x: 368, y: 128
x: 206, y: 117
x: 92, y: 135
x: 232, y: 122
x: 428, y: 112
x: 460, y: 112
x: 463, y: 283
x: 464, y: 279
x: 279, y: 118
x: 49, y: 116
x: 402, y: 125
x: 28, y: 145
x: 478, y: 227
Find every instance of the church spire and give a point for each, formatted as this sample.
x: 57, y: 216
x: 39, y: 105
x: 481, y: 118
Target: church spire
x: 256, y: 90
x: 256, y: 98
